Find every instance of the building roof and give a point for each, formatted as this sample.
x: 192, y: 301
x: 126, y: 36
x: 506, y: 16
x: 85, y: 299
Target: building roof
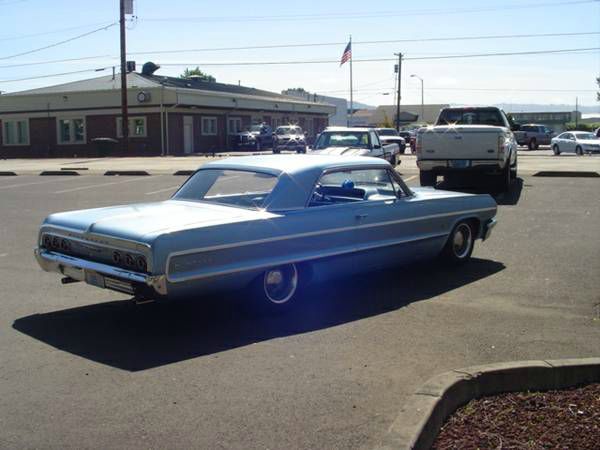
x: 140, y: 81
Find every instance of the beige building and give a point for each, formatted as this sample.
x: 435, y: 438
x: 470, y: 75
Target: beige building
x: 387, y: 113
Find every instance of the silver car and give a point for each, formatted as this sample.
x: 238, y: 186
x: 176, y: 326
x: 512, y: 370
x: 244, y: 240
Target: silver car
x: 578, y: 142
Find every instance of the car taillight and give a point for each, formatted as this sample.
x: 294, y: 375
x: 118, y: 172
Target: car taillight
x: 141, y: 263
x: 501, y: 144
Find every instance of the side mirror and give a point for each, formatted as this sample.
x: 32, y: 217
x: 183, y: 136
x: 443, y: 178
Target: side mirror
x: 377, y: 146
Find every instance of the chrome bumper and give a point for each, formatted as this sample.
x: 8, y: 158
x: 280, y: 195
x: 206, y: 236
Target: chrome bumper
x: 487, y: 228
x: 473, y: 164
x: 117, y: 279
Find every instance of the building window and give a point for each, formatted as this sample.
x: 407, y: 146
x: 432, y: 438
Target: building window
x: 209, y: 126
x: 137, y: 127
x: 71, y: 131
x: 234, y: 125
x: 16, y: 132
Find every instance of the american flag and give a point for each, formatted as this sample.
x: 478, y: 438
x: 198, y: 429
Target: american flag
x: 347, y: 54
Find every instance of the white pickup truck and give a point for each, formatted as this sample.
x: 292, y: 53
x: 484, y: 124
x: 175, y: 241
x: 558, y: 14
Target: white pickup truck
x: 355, y: 142
x: 468, y: 140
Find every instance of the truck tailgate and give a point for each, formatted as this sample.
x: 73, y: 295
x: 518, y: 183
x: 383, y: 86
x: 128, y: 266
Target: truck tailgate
x: 460, y: 142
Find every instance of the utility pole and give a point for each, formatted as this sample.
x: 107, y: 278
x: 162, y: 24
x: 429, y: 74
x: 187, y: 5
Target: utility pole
x: 398, y: 95
x: 124, y: 114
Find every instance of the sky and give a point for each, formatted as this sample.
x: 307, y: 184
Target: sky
x: 177, y: 25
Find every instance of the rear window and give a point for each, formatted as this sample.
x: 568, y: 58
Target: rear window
x: 241, y: 188
x: 470, y: 116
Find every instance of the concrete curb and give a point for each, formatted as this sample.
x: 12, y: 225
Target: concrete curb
x: 129, y: 173
x: 422, y: 416
x: 47, y: 173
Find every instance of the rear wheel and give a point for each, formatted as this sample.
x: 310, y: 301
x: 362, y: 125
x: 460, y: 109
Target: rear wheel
x: 556, y: 150
x: 276, y: 289
x: 460, y: 244
x: 579, y: 150
x: 427, y: 178
x: 532, y: 144
x: 505, y: 178
x: 513, y: 170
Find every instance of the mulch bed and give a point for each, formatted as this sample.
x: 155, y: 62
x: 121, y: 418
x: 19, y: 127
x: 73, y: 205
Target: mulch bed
x: 566, y: 419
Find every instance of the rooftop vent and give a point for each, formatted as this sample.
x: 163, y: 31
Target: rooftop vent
x: 149, y: 68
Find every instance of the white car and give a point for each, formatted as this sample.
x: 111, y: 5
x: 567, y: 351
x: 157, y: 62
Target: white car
x: 578, y: 142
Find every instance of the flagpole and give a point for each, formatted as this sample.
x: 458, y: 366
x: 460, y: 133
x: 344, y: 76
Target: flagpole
x: 351, y: 90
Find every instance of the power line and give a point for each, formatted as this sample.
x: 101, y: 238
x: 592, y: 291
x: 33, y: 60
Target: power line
x: 55, y: 75
x: 53, y: 61
x: 58, y: 43
x: 364, y: 14
x: 388, y: 41
x: 393, y: 41
x: 60, y: 30
x: 369, y: 60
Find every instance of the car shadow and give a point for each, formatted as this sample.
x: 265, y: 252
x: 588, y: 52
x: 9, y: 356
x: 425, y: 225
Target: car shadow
x: 139, y: 337
x: 509, y: 198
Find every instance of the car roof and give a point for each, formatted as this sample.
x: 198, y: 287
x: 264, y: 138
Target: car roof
x: 293, y: 164
x: 297, y: 173
x: 348, y: 129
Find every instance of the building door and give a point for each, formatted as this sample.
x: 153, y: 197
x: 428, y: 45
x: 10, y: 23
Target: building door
x: 188, y: 134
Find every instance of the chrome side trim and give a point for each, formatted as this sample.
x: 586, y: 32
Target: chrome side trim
x: 355, y: 249
x: 322, y: 232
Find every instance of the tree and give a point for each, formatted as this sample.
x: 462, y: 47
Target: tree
x: 189, y: 73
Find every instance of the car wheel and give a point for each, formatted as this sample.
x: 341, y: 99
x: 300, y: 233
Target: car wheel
x: 532, y: 144
x: 427, y: 178
x: 276, y: 151
x: 556, y: 150
x: 504, y: 178
x: 579, y: 150
x: 460, y: 244
x: 513, y: 170
x: 276, y: 289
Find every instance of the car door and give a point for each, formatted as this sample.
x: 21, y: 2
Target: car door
x: 568, y: 143
x: 388, y: 222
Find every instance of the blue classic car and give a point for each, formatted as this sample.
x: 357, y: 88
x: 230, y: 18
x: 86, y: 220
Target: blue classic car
x: 268, y: 223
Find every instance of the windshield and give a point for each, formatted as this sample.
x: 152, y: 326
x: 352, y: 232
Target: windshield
x: 245, y: 189
x: 342, y: 139
x: 585, y: 136
x: 470, y: 116
x: 387, y: 132
x: 282, y: 130
x: 256, y: 128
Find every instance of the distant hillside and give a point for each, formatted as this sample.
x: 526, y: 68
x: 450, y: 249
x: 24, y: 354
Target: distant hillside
x: 530, y: 107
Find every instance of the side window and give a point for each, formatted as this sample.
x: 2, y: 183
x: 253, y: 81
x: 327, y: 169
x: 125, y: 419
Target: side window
x: 374, y: 139
x: 354, y: 185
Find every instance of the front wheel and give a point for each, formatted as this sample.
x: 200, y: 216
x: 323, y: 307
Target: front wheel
x: 276, y: 289
x: 427, y: 178
x: 460, y: 244
x: 556, y: 150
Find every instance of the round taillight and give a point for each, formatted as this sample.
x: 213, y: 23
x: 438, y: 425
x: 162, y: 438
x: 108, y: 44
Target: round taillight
x: 117, y: 258
x: 47, y: 242
x: 65, y: 245
x: 141, y: 263
x: 55, y: 242
x: 130, y: 260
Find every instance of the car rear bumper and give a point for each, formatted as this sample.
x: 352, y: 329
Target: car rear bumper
x: 114, y: 278
x: 475, y: 165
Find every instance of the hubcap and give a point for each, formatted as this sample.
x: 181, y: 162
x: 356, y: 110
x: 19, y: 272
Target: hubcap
x: 280, y: 283
x: 461, y: 242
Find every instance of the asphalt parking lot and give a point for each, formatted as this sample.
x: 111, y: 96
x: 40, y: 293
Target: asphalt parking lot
x: 83, y: 367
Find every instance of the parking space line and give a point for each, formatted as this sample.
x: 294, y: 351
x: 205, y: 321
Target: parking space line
x: 81, y: 188
x: 39, y: 182
x: 410, y: 178
x: 163, y: 190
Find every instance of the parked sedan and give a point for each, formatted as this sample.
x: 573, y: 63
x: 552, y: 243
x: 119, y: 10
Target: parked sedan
x: 578, y: 142
x: 268, y: 225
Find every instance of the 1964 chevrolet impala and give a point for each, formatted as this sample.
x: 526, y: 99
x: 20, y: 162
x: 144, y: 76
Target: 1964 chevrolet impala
x: 269, y: 223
